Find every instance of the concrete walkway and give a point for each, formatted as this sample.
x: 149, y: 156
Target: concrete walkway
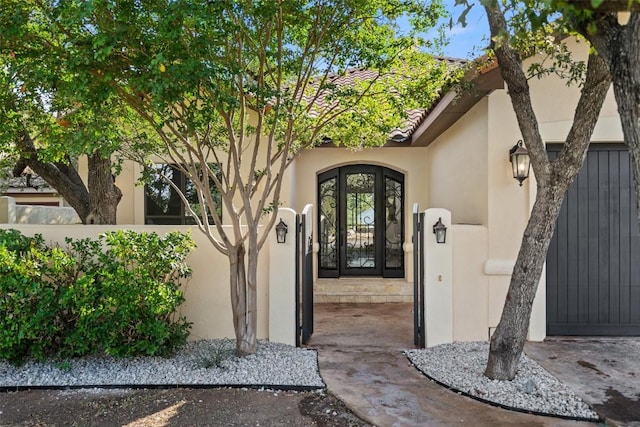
x: 604, y: 372
x: 360, y: 355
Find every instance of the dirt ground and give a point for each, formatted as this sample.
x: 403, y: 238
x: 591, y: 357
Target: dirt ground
x: 173, y: 407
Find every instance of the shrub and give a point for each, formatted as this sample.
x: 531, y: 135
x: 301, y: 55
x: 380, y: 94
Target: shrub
x: 14, y: 241
x: 117, y: 295
x: 25, y: 304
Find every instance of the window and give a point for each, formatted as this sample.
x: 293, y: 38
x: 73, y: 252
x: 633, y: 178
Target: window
x: 163, y: 204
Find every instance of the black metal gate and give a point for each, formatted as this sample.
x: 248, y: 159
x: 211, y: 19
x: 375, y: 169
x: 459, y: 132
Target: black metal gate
x: 304, y: 277
x: 418, y: 278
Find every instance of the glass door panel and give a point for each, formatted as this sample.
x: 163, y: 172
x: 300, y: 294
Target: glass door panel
x: 360, y: 230
x: 393, y: 254
x: 328, y: 224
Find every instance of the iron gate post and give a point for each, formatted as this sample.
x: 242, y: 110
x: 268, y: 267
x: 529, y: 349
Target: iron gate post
x: 298, y: 325
x: 418, y: 277
x: 423, y: 330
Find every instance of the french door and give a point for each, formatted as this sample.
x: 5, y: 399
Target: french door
x: 361, y: 222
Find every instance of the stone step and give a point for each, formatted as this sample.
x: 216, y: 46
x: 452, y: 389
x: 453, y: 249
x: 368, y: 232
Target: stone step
x: 363, y: 290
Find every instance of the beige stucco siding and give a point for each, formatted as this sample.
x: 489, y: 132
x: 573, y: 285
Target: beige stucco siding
x: 457, y: 168
x: 552, y: 98
x: 470, y: 284
x: 126, y: 181
x: 554, y: 103
x: 409, y: 161
x: 508, y: 202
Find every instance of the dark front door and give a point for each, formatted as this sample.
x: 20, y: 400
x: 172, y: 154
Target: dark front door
x: 360, y: 222
x: 593, y: 264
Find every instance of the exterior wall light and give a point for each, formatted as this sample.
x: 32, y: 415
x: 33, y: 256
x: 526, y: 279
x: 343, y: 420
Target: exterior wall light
x: 519, y: 157
x: 281, y: 231
x: 440, y: 230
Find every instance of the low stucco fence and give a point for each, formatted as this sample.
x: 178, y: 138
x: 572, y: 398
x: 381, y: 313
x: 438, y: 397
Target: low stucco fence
x: 478, y: 283
x: 207, y: 293
x: 12, y: 213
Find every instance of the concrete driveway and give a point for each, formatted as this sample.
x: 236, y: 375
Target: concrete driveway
x: 605, y: 372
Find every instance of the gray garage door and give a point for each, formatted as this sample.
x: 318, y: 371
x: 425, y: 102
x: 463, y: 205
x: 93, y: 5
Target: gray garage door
x: 593, y: 264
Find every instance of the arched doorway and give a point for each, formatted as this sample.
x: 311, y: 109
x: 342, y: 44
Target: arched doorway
x: 361, y: 222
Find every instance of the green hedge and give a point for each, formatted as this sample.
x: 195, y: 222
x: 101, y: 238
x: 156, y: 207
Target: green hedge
x: 117, y: 295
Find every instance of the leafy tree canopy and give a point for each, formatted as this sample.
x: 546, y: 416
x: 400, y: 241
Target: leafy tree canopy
x: 230, y: 91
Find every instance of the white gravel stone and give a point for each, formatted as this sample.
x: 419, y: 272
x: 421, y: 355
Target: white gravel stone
x: 461, y: 366
x: 195, y: 364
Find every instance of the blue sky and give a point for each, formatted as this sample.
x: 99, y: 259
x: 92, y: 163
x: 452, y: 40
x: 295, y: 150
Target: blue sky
x: 468, y: 41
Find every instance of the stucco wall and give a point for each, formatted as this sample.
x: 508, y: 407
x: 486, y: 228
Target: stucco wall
x: 409, y: 161
x: 12, y: 213
x: 36, y: 199
x: 554, y: 104
x: 456, y: 168
x: 554, y: 101
x: 207, y: 293
x: 132, y: 195
x: 470, y: 284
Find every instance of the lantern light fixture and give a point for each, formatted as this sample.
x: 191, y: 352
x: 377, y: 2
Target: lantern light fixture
x: 281, y: 231
x: 520, y: 161
x: 440, y: 230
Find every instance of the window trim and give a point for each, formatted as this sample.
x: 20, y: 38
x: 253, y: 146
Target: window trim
x: 172, y: 219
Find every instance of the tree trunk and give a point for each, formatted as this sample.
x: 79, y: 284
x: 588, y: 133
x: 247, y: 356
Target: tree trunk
x: 104, y: 195
x: 553, y: 179
x: 619, y: 45
x: 59, y: 175
x: 95, y: 203
x: 507, y: 342
x: 244, y: 299
x: 252, y: 297
x: 623, y: 58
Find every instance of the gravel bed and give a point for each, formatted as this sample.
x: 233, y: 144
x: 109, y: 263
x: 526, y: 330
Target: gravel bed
x: 461, y: 365
x: 199, y: 363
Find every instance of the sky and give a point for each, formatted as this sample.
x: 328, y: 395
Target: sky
x: 466, y: 42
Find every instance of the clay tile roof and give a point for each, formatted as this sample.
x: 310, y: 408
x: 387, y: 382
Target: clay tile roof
x: 348, y: 78
x: 414, y: 117
x: 12, y: 184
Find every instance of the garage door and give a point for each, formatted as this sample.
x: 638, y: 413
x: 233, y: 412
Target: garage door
x: 593, y: 264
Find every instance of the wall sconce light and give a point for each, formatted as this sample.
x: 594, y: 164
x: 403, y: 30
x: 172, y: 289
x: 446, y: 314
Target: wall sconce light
x: 520, y: 162
x: 281, y: 231
x: 440, y: 230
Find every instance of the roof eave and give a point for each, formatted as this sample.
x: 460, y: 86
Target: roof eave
x: 17, y: 191
x: 452, y: 106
